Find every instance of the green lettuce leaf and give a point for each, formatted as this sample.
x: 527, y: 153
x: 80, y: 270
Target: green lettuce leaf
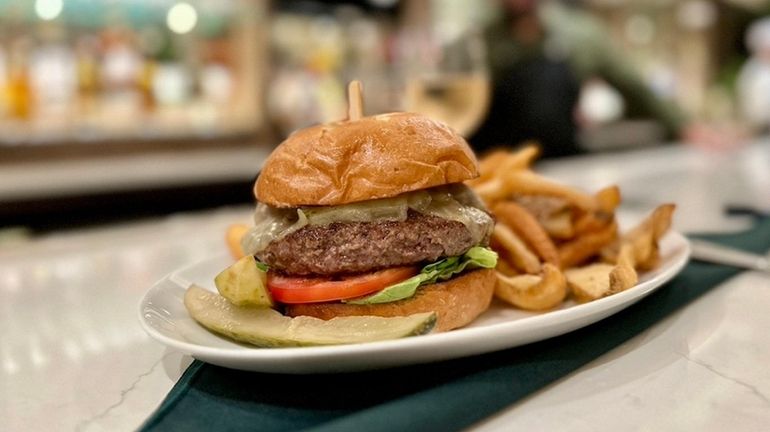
x: 401, y: 290
x: 475, y: 257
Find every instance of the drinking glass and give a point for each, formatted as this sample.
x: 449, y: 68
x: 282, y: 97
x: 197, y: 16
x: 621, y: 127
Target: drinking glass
x: 447, y: 80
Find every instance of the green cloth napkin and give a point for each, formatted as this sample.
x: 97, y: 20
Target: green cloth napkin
x: 446, y: 396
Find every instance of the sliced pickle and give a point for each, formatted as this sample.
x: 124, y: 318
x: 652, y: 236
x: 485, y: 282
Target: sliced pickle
x: 265, y: 327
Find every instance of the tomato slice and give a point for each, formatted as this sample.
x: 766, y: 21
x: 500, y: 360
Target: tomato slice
x: 312, y: 290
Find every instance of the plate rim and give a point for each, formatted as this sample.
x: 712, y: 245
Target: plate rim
x: 424, y: 342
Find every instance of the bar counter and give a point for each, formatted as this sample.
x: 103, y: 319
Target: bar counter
x: 74, y: 357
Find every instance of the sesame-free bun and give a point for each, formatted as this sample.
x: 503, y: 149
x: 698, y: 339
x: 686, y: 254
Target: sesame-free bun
x: 373, y: 157
x: 456, y: 302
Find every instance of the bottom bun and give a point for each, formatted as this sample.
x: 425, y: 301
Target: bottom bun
x: 456, y: 302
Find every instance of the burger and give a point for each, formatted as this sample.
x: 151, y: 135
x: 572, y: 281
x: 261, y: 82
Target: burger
x: 370, y: 217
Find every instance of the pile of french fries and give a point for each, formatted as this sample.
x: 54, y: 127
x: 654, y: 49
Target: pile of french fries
x: 557, y: 241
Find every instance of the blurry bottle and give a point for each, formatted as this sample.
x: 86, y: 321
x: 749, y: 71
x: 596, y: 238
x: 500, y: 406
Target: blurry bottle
x: 120, y: 61
x: 19, y: 95
x: 155, y: 46
x: 121, y: 100
x: 53, y: 73
x: 172, y: 84
x: 87, y: 65
x: 216, y: 81
x: 170, y: 78
x: 3, y: 80
x: 145, y: 83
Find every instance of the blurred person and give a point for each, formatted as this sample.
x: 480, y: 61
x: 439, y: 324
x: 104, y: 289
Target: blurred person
x: 540, y: 53
x: 753, y: 85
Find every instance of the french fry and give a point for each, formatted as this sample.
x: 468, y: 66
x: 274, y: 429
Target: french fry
x: 545, y: 226
x: 505, y: 267
x: 645, y: 236
x: 591, y: 222
x: 492, y: 191
x: 559, y: 226
x: 233, y: 237
x: 488, y: 185
x: 599, y: 280
x: 590, y: 282
x: 608, y: 199
x: 521, y: 158
x: 626, y: 255
x: 515, y: 248
x: 581, y: 248
x: 645, y: 249
x: 528, y: 183
x: 657, y: 222
x: 609, y: 253
x: 623, y: 276
x: 661, y: 219
x: 533, y: 292
x: 489, y: 166
x: 553, y: 213
x: 527, y: 227
x: 542, y: 206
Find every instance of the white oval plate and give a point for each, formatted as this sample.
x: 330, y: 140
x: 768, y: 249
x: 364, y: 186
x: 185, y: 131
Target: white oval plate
x: 164, y: 317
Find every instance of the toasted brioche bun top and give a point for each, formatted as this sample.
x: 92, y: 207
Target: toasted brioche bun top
x: 374, y: 157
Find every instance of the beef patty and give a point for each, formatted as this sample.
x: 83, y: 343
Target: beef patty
x: 357, y: 247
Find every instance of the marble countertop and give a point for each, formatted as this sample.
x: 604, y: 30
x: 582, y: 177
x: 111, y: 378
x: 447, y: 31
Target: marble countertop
x: 74, y: 357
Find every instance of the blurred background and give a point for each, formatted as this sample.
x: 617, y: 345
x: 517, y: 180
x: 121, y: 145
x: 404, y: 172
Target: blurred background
x: 119, y: 109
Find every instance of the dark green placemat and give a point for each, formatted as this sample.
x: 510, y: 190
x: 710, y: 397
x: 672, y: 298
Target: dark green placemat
x: 446, y: 396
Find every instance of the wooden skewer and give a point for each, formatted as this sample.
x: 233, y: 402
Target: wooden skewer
x: 355, y: 100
